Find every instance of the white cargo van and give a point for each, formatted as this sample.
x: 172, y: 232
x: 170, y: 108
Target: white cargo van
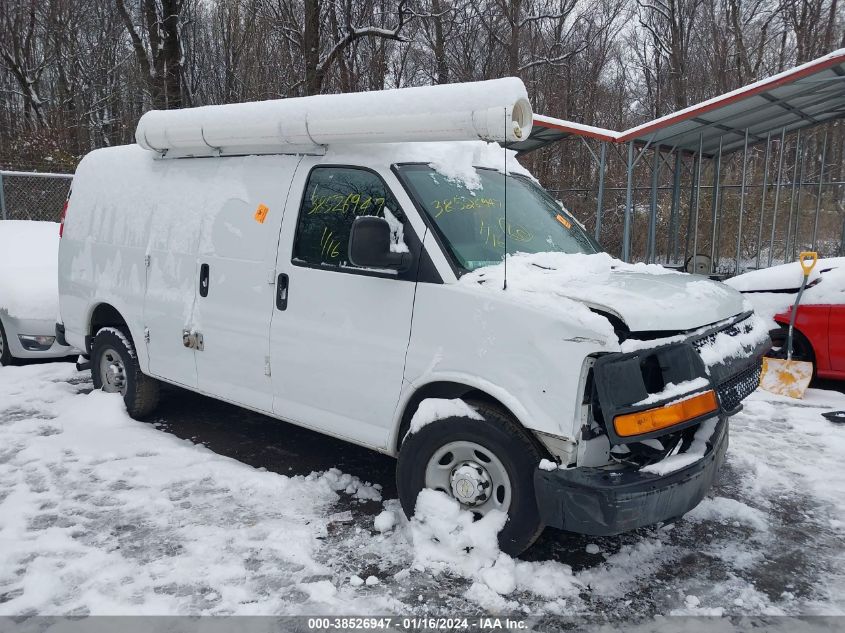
x: 343, y: 271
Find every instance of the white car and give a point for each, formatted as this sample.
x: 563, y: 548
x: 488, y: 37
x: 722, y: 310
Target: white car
x: 255, y: 253
x: 28, y: 291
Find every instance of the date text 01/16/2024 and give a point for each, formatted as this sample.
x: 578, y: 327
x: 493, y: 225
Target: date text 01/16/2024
x: 358, y: 623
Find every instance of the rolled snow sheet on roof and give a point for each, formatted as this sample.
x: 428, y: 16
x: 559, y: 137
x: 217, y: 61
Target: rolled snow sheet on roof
x: 496, y: 110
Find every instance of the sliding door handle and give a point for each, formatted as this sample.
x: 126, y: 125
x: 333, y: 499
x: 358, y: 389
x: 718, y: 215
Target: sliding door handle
x: 282, y: 292
x: 204, y: 280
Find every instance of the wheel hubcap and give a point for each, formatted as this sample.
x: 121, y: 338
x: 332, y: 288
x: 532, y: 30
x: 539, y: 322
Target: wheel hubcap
x: 113, y: 372
x: 471, y: 474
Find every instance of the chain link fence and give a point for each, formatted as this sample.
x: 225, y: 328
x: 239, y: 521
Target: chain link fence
x: 32, y: 196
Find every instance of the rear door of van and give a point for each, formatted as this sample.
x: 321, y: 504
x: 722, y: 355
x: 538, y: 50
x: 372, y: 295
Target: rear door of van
x: 236, y: 280
x: 339, y: 333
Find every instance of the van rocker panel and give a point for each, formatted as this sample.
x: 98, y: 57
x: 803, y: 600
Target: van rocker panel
x: 600, y: 502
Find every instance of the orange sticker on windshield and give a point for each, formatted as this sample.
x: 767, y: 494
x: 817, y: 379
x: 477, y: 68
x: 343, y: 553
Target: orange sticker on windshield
x: 563, y: 221
x: 261, y: 213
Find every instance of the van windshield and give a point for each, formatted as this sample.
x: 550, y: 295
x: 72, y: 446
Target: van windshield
x: 472, y: 221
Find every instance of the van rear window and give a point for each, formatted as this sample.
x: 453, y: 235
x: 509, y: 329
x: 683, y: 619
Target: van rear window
x: 334, y: 197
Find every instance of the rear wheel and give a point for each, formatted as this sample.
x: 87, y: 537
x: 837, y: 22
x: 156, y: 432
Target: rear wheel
x: 6, y: 357
x: 115, y: 369
x: 483, y: 464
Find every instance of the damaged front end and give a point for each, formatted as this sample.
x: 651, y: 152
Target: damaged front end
x: 656, y: 430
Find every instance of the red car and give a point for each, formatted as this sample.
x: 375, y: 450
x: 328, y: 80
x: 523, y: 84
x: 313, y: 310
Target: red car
x: 820, y: 323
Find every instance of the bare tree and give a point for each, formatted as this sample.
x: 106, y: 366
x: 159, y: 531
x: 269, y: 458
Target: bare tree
x: 159, y: 53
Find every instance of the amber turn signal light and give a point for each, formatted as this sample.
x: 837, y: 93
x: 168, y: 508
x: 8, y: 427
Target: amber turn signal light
x: 651, y: 420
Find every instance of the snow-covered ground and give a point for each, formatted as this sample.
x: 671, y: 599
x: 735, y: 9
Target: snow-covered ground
x: 105, y: 515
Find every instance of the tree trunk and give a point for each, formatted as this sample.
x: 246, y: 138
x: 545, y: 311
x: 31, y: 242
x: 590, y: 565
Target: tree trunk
x: 440, y: 61
x: 311, y: 43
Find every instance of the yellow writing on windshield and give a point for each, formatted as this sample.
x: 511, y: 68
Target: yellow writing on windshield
x: 463, y: 203
x: 494, y: 234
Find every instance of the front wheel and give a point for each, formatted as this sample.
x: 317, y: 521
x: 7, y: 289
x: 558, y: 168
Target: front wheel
x: 483, y: 464
x: 115, y: 369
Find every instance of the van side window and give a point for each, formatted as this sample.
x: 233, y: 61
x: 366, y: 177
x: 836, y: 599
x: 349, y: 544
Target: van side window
x: 334, y: 197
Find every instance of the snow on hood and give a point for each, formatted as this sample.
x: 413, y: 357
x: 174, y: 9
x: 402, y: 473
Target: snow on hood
x: 29, y: 269
x: 647, y: 297
x: 454, y: 160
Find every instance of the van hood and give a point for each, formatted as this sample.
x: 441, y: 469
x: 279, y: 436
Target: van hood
x: 646, y: 297
x: 648, y: 302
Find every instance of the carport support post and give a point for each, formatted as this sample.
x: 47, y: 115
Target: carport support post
x: 600, y: 192
x: 741, y: 202
x: 819, y: 193
x: 777, y: 195
x: 697, y: 203
x: 786, y: 247
x: 652, y: 219
x: 693, y: 190
x: 842, y: 239
x: 714, y: 224
x: 629, y: 205
x: 803, y: 173
x: 2, y: 199
x: 672, y: 250
x: 763, y: 198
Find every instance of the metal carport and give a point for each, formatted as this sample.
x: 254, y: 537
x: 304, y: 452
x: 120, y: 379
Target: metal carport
x: 763, y: 112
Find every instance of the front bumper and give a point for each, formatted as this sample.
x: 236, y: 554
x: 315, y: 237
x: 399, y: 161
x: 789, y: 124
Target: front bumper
x: 602, y: 502
x: 33, y: 327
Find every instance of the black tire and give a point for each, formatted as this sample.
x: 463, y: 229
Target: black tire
x: 802, y: 349
x: 140, y: 392
x: 6, y: 357
x: 502, y: 436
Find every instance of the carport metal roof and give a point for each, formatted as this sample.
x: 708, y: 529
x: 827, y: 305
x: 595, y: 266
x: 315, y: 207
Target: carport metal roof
x: 801, y: 97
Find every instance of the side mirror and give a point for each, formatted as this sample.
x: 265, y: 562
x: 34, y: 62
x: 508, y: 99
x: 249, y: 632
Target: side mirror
x: 369, y: 246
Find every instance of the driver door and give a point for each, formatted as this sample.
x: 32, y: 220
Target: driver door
x: 339, y: 333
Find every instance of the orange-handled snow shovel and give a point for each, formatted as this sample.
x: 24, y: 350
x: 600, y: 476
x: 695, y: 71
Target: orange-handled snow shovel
x: 787, y: 377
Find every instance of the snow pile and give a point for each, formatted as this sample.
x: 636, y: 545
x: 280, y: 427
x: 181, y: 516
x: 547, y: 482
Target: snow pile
x: 29, y: 269
x: 729, y: 511
x: 723, y: 346
x: 783, y: 277
x: 385, y: 521
x: 448, y: 539
x: 433, y: 409
x: 825, y: 285
x: 696, y: 451
x: 342, y: 482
